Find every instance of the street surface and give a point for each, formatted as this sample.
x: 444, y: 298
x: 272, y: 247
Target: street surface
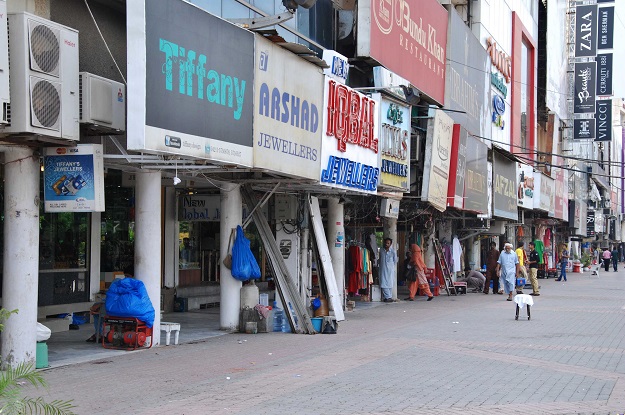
x: 453, y: 355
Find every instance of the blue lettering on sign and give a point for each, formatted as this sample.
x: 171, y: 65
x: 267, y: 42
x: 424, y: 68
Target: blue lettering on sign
x: 394, y: 168
x: 344, y: 172
x: 220, y: 89
x: 287, y: 108
x: 339, y: 67
x: 286, y: 147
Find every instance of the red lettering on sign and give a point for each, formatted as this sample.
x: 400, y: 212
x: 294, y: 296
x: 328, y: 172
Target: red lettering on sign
x: 350, y: 118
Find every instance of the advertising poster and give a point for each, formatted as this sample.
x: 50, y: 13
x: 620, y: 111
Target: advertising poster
x: 585, y: 87
x: 504, y: 187
x: 525, y: 189
x: 73, y: 178
x: 476, y: 182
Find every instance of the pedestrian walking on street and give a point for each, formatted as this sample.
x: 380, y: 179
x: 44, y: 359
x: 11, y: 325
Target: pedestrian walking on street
x: 388, y: 266
x: 564, y: 262
x: 508, y: 268
x: 614, y: 258
x: 416, y: 260
x: 533, y: 266
x: 606, y: 258
x: 491, y: 269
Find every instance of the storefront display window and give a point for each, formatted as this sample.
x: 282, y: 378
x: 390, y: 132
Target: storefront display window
x: 117, y: 228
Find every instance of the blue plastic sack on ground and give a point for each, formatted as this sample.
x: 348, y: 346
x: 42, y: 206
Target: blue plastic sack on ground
x: 244, y: 265
x: 128, y: 297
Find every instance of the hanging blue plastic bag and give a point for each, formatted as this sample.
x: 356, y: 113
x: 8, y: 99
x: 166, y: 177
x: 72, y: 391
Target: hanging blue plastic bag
x: 244, y: 265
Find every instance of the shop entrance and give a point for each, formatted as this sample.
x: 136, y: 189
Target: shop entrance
x: 198, y: 258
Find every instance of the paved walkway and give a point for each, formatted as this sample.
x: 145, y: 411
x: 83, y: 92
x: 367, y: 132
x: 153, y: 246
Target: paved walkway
x: 454, y: 355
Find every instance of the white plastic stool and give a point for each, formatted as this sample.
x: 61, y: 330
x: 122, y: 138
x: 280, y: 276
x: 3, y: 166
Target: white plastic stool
x: 168, y: 328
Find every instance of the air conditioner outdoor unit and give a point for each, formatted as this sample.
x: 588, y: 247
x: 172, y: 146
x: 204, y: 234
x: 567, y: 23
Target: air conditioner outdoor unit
x: 102, y: 105
x: 4, y: 65
x: 44, y: 80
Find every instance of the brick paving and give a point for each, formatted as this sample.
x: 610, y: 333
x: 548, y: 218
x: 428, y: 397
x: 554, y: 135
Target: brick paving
x: 453, y: 355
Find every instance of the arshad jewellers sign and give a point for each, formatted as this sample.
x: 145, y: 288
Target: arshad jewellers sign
x: 287, y: 123
x: 585, y: 30
x: 585, y: 87
x: 394, y: 143
x: 408, y: 37
x: 73, y: 178
x: 604, y: 74
x: 606, y: 28
x: 437, y: 160
x: 504, y: 187
x: 603, y: 118
x: 349, y: 146
x: 190, y: 83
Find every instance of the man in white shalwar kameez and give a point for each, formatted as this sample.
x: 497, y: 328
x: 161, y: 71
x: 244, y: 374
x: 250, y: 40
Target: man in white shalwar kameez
x: 388, y: 268
x: 508, y: 269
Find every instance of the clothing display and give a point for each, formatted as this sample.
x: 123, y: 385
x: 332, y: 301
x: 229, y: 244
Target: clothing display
x: 457, y: 255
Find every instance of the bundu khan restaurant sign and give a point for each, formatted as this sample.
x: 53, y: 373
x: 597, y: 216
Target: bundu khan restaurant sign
x: 349, y: 144
x: 408, y: 37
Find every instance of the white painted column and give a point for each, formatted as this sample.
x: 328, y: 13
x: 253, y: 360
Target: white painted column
x: 230, y: 288
x: 148, y: 241
x: 389, y: 227
x: 21, y: 254
x: 170, y: 256
x: 335, y: 234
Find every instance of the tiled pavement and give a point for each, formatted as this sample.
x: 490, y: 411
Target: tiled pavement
x: 453, y: 355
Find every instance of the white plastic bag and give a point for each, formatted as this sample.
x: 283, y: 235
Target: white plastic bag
x: 43, y: 333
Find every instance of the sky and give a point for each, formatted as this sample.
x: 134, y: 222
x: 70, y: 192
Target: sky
x: 619, y: 51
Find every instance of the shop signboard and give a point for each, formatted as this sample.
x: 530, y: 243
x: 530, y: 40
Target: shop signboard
x: 349, y: 142
x: 585, y: 87
x: 504, y: 187
x: 545, y: 199
x: 590, y: 223
x: 603, y: 117
x: 604, y: 73
x: 561, y: 197
x: 476, y: 189
x: 467, y: 79
x: 408, y: 37
x: 394, y: 143
x: 606, y: 28
x: 197, y: 208
x: 525, y: 186
x: 584, y: 129
x: 455, y: 185
x: 437, y: 159
x: 190, y: 83
x: 73, y: 178
x: 585, y: 31
x: 288, y: 110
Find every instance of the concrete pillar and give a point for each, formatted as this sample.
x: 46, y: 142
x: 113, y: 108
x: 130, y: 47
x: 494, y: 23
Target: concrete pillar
x: 21, y: 254
x: 230, y: 288
x: 96, y: 250
x: 389, y: 227
x: 148, y: 241
x: 170, y: 260
x: 336, y: 244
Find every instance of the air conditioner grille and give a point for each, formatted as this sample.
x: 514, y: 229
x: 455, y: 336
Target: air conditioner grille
x: 44, y: 49
x: 46, y: 103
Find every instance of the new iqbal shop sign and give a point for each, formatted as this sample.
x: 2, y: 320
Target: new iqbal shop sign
x: 73, y: 178
x: 191, y: 75
x: 349, y: 146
